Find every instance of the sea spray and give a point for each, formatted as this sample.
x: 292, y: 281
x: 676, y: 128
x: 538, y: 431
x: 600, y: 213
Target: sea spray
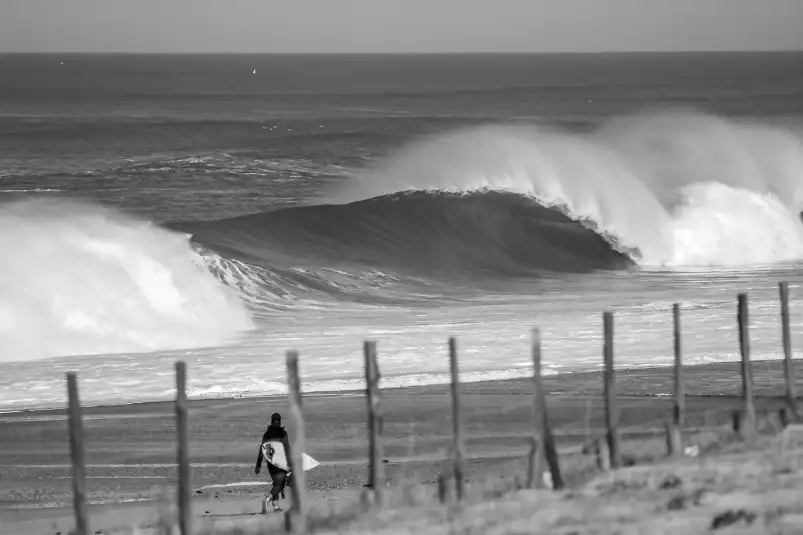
x: 682, y: 188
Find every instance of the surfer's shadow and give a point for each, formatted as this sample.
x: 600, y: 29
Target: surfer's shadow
x: 231, y: 515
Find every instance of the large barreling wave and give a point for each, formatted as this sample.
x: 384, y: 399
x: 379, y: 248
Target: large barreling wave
x: 670, y: 188
x: 487, y: 203
x: 80, y: 279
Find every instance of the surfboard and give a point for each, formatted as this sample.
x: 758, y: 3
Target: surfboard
x: 274, y: 453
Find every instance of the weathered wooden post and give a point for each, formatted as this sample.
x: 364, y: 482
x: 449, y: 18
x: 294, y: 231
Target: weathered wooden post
x: 674, y: 440
x: 611, y: 410
x: 297, y: 519
x: 375, y: 465
x: 183, y: 428
x: 77, y: 455
x: 457, y: 422
x: 789, y: 366
x: 535, y: 464
x: 543, y: 439
x: 748, y: 426
x: 674, y: 431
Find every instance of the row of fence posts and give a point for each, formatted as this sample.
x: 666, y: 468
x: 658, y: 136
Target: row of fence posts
x: 542, y: 441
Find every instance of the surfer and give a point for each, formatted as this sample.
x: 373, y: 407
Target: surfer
x: 274, y: 434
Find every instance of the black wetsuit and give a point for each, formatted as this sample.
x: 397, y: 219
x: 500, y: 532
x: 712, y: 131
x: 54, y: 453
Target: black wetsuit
x: 277, y: 475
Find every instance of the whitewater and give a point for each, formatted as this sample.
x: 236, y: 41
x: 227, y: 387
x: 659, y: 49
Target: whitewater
x: 480, y: 232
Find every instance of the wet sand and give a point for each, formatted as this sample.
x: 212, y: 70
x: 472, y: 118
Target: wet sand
x: 131, y: 448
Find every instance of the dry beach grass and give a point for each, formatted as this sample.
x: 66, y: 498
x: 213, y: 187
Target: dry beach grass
x: 731, y: 487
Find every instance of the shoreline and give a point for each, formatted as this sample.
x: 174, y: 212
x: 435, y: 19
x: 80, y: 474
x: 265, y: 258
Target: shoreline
x: 765, y: 377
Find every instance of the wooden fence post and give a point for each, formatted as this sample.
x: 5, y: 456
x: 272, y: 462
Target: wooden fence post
x: 748, y: 426
x: 535, y: 465
x: 789, y: 367
x: 182, y: 426
x: 611, y: 412
x: 77, y: 456
x: 375, y: 465
x: 457, y: 423
x: 674, y: 440
x: 297, y: 519
x: 675, y: 429
x: 543, y: 439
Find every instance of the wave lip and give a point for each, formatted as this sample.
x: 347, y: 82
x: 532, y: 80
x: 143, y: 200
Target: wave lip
x: 78, y: 279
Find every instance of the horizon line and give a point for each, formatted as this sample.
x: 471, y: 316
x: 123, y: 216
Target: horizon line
x: 466, y: 53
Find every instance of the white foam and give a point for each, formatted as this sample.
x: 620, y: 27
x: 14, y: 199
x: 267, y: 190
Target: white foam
x: 734, y: 226
x: 276, y: 388
x: 79, y: 279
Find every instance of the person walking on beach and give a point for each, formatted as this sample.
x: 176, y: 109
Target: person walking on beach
x: 274, y: 434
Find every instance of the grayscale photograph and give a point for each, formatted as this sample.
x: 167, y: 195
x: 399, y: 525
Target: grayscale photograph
x: 455, y: 267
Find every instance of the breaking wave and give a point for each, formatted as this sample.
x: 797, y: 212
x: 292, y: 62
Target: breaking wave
x: 447, y: 215
x: 79, y: 279
x: 677, y: 188
x: 500, y: 202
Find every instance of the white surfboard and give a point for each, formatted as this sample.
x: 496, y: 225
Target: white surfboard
x: 274, y: 453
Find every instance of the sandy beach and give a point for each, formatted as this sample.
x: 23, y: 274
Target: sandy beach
x: 130, y: 448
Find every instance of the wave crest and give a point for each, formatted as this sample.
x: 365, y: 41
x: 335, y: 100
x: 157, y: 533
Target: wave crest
x: 682, y: 188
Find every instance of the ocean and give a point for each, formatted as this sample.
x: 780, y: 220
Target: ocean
x: 223, y: 209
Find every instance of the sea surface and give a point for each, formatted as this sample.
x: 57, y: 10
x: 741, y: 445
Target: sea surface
x: 224, y: 209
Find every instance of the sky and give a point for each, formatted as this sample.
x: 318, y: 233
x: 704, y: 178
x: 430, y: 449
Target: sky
x: 398, y: 26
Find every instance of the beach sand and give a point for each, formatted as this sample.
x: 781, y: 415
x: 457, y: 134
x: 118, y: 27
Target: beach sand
x: 131, y: 448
